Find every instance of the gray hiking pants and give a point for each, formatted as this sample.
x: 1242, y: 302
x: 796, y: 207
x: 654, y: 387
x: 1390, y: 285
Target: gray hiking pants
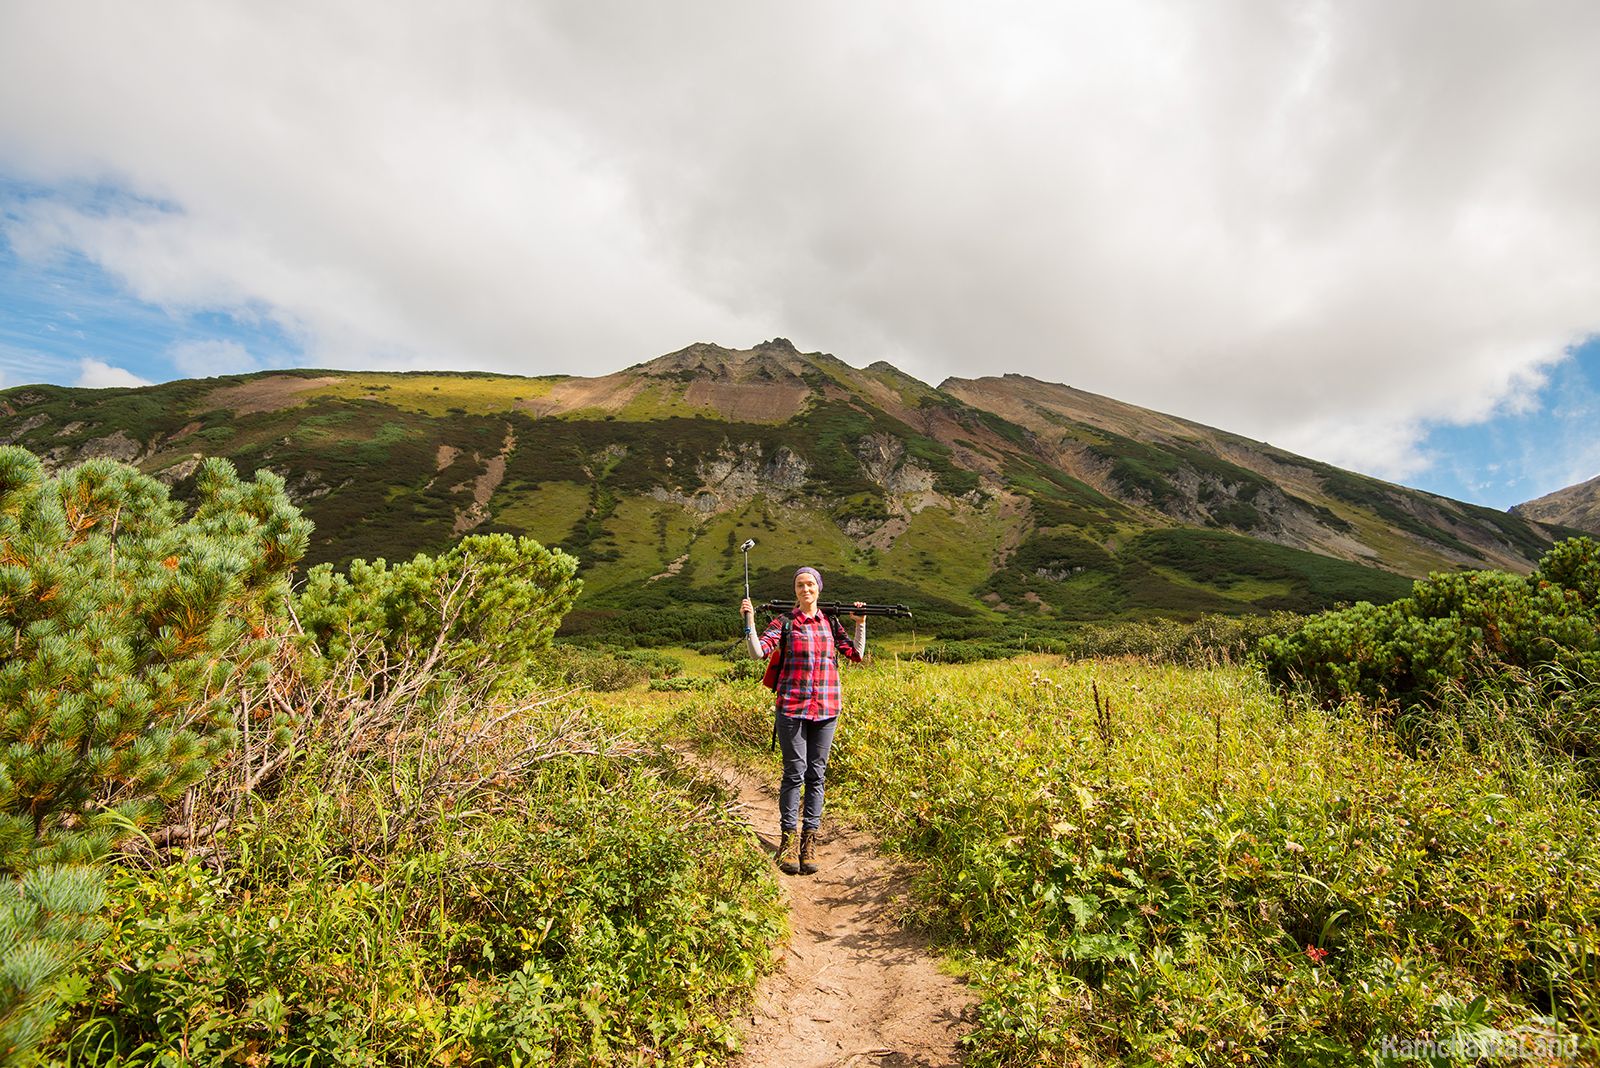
x: 805, y: 745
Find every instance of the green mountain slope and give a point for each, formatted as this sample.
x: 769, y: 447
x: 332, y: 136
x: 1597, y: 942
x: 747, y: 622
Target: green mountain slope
x: 990, y: 497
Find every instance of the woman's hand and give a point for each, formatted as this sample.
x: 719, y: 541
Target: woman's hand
x: 748, y: 610
x: 857, y: 617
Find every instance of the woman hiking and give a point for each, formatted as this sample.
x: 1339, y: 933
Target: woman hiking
x: 806, y: 708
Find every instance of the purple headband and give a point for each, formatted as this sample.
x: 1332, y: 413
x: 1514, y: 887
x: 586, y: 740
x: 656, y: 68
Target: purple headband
x: 814, y: 573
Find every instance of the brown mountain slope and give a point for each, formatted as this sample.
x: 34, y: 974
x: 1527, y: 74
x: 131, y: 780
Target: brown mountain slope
x: 1577, y: 507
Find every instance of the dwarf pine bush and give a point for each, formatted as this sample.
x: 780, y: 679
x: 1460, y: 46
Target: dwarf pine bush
x: 500, y: 599
x: 1460, y: 635
x: 129, y: 630
x: 44, y: 917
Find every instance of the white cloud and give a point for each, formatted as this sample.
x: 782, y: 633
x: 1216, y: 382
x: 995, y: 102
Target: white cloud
x: 209, y: 358
x: 96, y: 374
x: 1324, y: 224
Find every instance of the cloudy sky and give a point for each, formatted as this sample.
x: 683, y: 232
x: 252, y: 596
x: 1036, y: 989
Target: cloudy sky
x: 1365, y: 231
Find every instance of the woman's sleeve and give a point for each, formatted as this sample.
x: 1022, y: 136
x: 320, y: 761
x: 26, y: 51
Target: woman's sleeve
x: 761, y: 645
x: 853, y: 648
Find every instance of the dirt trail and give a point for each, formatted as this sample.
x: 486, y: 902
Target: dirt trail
x: 854, y: 990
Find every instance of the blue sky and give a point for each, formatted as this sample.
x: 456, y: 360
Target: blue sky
x: 67, y: 320
x: 1359, y: 232
x: 1553, y: 441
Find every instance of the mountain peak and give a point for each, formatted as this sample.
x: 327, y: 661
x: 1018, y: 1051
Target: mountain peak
x: 1576, y: 506
x: 776, y: 360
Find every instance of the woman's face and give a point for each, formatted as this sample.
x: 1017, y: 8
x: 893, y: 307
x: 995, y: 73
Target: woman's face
x: 805, y: 593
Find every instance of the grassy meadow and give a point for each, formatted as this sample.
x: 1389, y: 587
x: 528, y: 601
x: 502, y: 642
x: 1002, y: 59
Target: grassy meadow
x: 1145, y: 864
x: 1134, y: 863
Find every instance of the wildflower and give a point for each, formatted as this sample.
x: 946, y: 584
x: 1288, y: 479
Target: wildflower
x: 1317, y: 955
x: 1294, y: 847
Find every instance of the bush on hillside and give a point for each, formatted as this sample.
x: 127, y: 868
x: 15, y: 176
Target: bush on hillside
x: 681, y: 684
x: 571, y: 665
x: 686, y: 624
x: 504, y: 597
x: 1211, y: 639
x: 747, y: 669
x: 1462, y: 633
x: 963, y: 652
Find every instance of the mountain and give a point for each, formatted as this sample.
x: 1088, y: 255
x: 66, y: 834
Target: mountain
x: 1198, y: 475
x: 989, y: 499
x: 1577, y: 507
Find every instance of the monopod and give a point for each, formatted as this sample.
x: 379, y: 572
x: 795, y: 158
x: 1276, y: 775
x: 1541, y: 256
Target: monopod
x: 749, y: 543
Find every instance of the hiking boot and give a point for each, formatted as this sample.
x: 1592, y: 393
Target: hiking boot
x: 789, y: 853
x: 808, y: 852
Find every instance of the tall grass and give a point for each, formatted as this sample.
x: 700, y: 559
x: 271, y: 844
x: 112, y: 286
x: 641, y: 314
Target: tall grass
x: 1159, y: 865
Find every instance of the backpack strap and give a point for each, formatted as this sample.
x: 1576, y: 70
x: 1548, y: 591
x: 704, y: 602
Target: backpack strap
x: 774, y: 671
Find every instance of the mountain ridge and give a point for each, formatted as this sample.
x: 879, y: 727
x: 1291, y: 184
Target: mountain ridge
x: 1008, y: 496
x: 1576, y: 506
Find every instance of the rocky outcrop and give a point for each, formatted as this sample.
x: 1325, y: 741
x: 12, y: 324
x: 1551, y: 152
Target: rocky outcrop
x: 119, y: 445
x: 181, y: 470
x: 483, y: 485
x: 310, y: 486
x: 883, y: 459
x: 16, y: 433
x: 733, y: 476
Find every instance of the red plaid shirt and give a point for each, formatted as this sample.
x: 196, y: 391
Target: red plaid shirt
x: 808, y: 684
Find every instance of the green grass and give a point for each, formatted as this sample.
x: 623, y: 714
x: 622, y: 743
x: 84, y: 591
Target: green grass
x: 1220, y: 560
x: 1385, y: 502
x: 547, y: 514
x: 437, y: 395
x: 598, y: 907
x: 1244, y: 589
x: 1133, y: 864
x: 641, y: 537
x: 1202, y: 873
x: 955, y: 550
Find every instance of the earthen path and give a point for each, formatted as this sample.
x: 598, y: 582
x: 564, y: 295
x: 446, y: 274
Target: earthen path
x: 854, y: 989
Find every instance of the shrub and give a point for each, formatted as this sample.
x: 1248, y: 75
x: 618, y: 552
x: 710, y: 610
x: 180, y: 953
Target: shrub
x: 591, y: 669
x: 505, y: 597
x: 1211, y: 639
x: 1469, y: 633
x: 443, y: 877
x: 681, y: 684
x: 1159, y: 865
x: 131, y: 632
x: 659, y: 665
x: 747, y: 669
x: 46, y: 918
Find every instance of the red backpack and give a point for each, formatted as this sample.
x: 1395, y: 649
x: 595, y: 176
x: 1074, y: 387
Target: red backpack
x: 775, y: 661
